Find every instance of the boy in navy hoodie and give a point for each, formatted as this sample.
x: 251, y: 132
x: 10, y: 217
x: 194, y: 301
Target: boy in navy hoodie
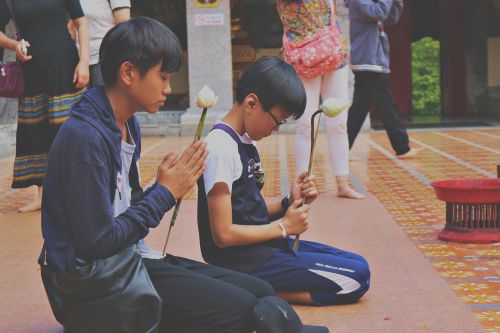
x: 240, y: 229
x: 93, y: 207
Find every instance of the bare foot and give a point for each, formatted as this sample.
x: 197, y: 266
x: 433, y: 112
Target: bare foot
x: 31, y: 207
x: 347, y: 192
x: 412, y: 153
x: 354, y: 158
x: 34, y: 205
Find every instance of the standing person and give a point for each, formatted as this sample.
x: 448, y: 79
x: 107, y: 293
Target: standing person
x: 240, y: 229
x: 301, y: 20
x: 94, y: 210
x: 101, y: 15
x: 55, y: 76
x: 370, y: 64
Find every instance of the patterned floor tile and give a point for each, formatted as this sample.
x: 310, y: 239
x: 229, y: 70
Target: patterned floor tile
x: 473, y: 268
x: 489, y: 319
x: 402, y: 187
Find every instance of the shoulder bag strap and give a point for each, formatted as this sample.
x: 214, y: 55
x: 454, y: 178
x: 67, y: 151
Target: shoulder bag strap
x: 333, y: 11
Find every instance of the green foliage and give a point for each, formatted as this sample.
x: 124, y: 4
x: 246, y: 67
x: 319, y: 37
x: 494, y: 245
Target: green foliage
x: 426, y: 83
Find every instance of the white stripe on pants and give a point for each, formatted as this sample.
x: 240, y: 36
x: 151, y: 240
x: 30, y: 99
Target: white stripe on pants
x: 333, y: 84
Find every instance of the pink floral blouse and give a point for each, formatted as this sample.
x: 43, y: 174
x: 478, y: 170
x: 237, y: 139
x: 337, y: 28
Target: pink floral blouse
x: 299, y: 26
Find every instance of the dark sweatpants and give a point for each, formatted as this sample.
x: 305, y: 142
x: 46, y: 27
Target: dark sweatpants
x: 372, y: 86
x: 200, y: 298
x: 330, y: 275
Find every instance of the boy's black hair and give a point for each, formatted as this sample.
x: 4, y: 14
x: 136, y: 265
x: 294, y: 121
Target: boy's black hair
x: 142, y: 41
x: 275, y: 83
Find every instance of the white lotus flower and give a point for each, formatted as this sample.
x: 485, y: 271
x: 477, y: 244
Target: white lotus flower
x: 331, y: 107
x: 206, y: 98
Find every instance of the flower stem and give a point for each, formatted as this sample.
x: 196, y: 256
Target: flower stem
x: 197, y: 136
x: 200, y: 125
x: 314, y: 136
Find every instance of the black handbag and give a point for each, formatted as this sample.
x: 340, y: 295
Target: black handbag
x: 111, y: 295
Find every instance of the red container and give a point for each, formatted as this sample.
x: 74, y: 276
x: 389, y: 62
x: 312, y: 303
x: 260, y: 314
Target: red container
x: 468, y: 190
x: 472, y: 209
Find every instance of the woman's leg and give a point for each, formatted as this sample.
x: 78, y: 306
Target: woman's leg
x: 303, y: 126
x: 48, y: 95
x: 198, y: 303
x: 335, y: 84
x: 31, y: 140
x: 329, y: 275
x: 34, y: 205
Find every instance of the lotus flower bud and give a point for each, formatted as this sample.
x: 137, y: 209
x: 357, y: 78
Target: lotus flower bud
x: 331, y: 107
x: 206, y: 98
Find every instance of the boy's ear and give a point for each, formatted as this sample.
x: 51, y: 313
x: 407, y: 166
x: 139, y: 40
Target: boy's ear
x: 126, y: 72
x: 251, y: 101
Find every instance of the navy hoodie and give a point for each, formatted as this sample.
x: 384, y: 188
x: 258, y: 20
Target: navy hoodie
x: 80, y: 183
x: 369, y: 42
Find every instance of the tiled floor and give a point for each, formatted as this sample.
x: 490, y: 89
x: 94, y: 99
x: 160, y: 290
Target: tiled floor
x: 402, y: 187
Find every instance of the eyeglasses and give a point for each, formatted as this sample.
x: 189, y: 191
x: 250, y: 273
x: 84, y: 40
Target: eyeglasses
x: 278, y: 124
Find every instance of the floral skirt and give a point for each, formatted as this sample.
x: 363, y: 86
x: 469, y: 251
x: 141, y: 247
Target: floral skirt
x: 49, y: 92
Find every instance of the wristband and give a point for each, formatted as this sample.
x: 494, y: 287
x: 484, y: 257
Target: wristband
x: 285, y: 203
x: 283, y: 230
